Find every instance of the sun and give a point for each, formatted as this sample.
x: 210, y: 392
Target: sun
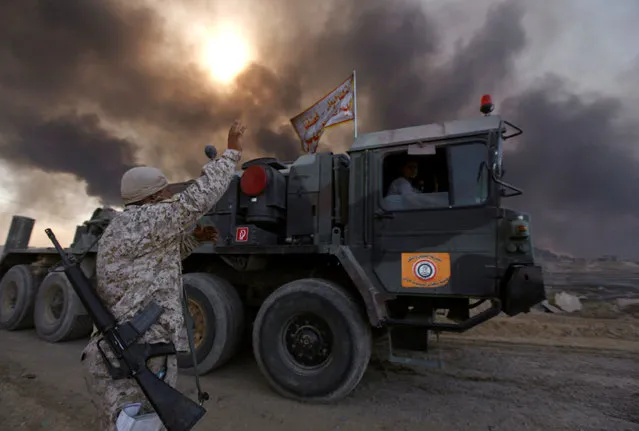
x: 226, y: 53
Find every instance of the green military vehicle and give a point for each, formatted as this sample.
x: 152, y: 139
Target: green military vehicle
x: 320, y: 257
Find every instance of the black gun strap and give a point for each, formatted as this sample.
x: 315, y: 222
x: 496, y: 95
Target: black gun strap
x: 201, y: 395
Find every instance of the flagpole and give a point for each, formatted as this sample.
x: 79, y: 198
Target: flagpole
x: 355, y: 102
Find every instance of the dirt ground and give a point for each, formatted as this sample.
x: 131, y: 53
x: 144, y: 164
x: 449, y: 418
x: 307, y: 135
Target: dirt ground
x: 532, y: 372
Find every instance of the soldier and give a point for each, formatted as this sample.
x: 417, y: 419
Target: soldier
x: 139, y: 260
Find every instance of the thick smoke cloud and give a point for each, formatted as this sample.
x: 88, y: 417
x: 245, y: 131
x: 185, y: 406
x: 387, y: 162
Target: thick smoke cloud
x: 588, y: 151
x: 102, y: 82
x: 578, y: 165
x: 39, y: 143
x: 395, y: 48
x: 110, y: 59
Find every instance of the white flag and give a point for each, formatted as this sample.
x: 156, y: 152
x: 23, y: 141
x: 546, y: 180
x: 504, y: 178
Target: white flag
x: 333, y: 109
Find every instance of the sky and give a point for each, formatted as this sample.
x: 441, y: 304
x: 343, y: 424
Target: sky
x: 89, y: 89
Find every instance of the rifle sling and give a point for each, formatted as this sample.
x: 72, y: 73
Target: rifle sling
x: 190, y: 326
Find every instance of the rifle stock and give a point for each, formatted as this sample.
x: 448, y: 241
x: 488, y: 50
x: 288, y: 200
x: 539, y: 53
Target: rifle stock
x: 176, y: 411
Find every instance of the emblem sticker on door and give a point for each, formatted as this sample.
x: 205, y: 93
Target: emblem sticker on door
x: 425, y: 270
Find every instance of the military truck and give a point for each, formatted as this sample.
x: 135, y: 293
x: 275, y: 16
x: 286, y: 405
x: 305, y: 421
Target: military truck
x: 316, y: 260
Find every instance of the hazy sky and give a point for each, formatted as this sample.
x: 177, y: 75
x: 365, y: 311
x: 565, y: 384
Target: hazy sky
x: 89, y: 89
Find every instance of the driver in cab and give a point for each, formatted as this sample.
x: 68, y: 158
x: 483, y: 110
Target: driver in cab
x: 403, y: 185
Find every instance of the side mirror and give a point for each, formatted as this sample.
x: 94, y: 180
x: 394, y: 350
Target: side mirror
x: 504, y: 191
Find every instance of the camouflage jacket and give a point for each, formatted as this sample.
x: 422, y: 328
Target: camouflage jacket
x: 140, y: 253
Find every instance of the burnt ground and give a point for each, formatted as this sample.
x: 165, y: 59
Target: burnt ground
x: 532, y: 372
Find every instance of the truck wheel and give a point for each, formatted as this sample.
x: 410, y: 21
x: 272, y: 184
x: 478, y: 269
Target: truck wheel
x: 218, y: 315
x: 59, y: 315
x: 17, y: 295
x: 311, y: 341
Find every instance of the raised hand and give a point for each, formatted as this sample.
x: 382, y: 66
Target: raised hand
x: 236, y: 136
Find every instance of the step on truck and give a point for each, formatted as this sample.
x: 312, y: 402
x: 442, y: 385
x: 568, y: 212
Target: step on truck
x: 318, y: 257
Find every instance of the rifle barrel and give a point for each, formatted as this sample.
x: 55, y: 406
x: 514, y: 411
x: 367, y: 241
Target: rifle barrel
x: 58, y: 247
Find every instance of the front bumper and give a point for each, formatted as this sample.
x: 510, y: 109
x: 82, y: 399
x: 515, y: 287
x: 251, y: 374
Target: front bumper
x: 522, y: 288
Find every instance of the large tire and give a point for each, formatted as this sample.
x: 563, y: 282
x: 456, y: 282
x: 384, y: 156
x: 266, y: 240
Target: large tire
x: 324, y: 317
x: 17, y: 295
x: 218, y: 313
x: 58, y: 314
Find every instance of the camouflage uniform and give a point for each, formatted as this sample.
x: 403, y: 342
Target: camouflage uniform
x: 139, y: 260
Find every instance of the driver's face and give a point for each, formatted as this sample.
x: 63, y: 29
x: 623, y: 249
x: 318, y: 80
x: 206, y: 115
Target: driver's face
x: 410, y: 170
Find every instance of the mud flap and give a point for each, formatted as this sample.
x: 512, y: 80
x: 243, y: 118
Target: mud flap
x: 522, y: 289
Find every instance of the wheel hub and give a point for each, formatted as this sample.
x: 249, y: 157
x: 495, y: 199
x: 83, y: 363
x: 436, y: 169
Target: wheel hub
x: 57, y: 304
x: 54, y: 304
x: 196, y: 312
x: 308, y: 340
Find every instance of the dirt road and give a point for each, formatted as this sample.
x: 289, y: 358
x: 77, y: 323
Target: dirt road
x: 529, y: 380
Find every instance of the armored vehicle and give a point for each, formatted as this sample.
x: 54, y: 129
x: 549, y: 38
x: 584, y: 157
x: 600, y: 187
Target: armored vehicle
x: 318, y: 257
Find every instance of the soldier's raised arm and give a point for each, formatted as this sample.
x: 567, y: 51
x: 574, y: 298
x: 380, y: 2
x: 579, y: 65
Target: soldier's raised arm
x: 182, y: 211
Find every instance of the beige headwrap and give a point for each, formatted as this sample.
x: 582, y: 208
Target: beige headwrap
x: 141, y: 182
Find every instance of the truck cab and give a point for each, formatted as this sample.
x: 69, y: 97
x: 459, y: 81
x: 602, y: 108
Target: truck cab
x: 427, y: 222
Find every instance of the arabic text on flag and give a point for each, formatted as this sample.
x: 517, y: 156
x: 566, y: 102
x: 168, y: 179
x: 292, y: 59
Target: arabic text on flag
x: 335, y: 108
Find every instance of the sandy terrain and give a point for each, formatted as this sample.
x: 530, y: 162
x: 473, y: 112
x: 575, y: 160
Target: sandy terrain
x: 533, y: 372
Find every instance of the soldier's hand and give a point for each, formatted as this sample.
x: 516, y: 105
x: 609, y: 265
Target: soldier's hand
x: 206, y: 233
x: 236, y: 136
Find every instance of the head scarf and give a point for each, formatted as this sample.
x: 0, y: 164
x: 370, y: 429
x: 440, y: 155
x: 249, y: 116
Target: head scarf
x: 141, y: 182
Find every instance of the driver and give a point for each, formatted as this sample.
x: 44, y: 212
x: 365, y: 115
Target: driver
x: 403, y: 184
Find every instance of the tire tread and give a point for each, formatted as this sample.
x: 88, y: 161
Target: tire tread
x: 346, y: 303
x: 221, y: 292
x: 25, y: 321
x: 76, y: 323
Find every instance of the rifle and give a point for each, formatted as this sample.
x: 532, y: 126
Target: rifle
x: 176, y: 411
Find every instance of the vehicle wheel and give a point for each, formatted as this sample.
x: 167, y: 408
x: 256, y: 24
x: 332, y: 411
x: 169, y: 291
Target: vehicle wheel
x: 218, y: 315
x: 17, y: 295
x: 58, y: 314
x: 311, y: 341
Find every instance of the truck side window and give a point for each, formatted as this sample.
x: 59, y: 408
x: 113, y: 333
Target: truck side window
x: 425, y: 182
x: 469, y: 174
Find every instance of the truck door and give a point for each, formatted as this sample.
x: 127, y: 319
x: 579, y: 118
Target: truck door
x: 442, y: 238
